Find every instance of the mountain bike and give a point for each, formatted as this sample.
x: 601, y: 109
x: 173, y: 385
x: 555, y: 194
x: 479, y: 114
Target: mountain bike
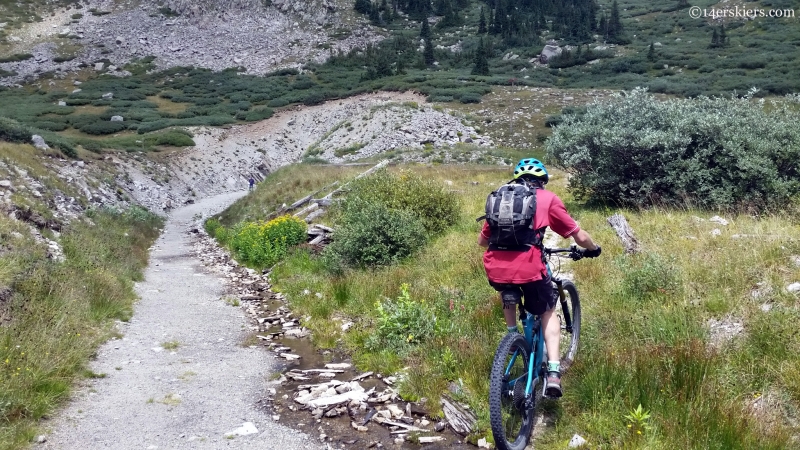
x: 520, y: 363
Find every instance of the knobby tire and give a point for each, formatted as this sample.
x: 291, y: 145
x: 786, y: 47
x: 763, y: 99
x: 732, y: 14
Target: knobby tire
x: 568, y: 346
x: 507, y: 421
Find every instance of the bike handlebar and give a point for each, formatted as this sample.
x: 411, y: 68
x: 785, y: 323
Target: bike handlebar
x: 575, y: 253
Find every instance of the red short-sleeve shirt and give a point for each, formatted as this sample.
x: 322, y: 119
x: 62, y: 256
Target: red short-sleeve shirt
x: 504, y: 266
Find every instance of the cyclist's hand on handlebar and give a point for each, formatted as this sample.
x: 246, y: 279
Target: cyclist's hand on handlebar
x: 592, y: 253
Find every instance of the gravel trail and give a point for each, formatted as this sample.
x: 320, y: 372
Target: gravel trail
x: 186, y: 397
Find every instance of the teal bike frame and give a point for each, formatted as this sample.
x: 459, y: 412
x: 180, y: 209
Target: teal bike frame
x: 534, y: 337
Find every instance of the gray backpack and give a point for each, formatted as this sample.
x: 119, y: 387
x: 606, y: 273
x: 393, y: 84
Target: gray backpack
x: 510, y: 212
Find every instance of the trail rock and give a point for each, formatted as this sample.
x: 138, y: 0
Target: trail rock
x: 117, y: 119
x: 39, y: 142
x: 576, y: 441
x: 794, y: 287
x: 244, y: 430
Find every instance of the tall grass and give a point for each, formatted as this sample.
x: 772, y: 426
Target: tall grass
x: 60, y: 312
x: 646, y: 338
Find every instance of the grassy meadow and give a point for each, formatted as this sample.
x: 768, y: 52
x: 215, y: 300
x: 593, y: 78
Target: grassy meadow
x: 54, y: 315
x: 760, y: 53
x: 676, y: 329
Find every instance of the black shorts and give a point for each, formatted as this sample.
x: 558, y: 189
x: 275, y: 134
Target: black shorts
x: 539, y: 296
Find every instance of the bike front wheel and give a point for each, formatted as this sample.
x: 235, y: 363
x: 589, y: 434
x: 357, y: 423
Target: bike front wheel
x: 568, y: 311
x: 510, y: 413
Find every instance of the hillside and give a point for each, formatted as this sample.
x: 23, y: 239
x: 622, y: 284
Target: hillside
x: 121, y: 118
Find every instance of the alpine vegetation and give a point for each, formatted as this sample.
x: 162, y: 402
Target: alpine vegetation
x: 725, y: 153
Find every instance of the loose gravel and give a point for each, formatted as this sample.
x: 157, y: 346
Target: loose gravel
x: 179, y: 378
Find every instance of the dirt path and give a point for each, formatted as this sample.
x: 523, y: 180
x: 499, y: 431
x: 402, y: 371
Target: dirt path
x: 188, y: 395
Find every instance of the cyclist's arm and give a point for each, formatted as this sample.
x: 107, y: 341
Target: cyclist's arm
x: 483, y: 239
x: 583, y: 239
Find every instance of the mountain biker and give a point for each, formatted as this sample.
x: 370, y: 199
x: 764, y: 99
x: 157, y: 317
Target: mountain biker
x: 518, y: 274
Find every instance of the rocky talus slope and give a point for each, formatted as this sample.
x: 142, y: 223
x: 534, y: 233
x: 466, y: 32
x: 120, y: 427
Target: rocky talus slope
x: 208, y: 34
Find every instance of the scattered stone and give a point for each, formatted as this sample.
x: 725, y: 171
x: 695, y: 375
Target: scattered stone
x: 108, y: 95
x: 719, y: 220
x: 482, y: 443
x: 723, y: 331
x: 41, y: 439
x: 793, y: 288
x: 75, y: 91
x: 716, y: 232
x: 359, y: 427
x: 39, y: 142
x: 576, y: 441
x: 99, y: 66
x: 117, y: 119
x: 244, y: 430
x: 5, y: 184
x: 62, y: 103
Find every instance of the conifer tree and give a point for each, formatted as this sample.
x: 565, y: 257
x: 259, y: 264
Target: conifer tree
x: 427, y: 53
x: 425, y: 32
x: 482, y: 23
x: 615, y: 29
x: 723, y: 38
x: 481, y: 60
x: 651, y: 53
x: 362, y: 6
x: 602, y: 26
x: 714, y: 39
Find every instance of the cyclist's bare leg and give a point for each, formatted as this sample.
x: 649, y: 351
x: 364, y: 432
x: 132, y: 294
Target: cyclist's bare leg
x: 510, y: 315
x: 552, y: 334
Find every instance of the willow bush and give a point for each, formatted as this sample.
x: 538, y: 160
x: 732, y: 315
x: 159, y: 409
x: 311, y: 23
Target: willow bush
x: 719, y: 153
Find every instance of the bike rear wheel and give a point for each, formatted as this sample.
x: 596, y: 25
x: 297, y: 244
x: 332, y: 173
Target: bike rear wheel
x: 568, y: 312
x: 511, y: 415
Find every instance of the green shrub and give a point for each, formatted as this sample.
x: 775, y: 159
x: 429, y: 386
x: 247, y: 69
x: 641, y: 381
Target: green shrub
x: 648, y: 275
x: 16, y: 57
x: 60, y: 59
x: 371, y: 234
x: 264, y: 244
x: 440, y: 98
x: 402, y: 324
x: 13, y: 131
x: 710, y: 152
x: 470, y: 97
x: 51, y: 126
x: 278, y: 102
x: 174, y: 138
x: 100, y: 128
x: 428, y: 201
x: 258, y: 114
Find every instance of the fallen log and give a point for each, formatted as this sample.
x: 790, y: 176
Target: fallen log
x: 321, y: 370
x: 314, y: 214
x: 460, y: 419
x: 307, y: 209
x: 363, y: 174
x: 384, y: 421
x: 338, y: 399
x: 317, y: 240
x: 362, y: 376
x: 625, y: 233
x: 322, y: 227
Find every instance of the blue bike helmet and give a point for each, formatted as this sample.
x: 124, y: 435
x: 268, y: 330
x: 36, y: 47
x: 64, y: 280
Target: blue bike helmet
x: 532, y: 167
